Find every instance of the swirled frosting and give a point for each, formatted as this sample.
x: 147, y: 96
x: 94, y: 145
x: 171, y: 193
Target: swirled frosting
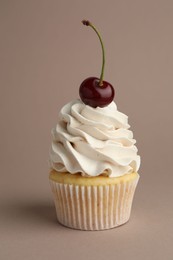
x: 93, y: 141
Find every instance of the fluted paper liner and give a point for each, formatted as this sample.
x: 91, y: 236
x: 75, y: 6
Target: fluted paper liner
x: 93, y: 207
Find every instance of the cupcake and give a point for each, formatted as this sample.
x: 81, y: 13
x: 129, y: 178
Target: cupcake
x: 94, y: 160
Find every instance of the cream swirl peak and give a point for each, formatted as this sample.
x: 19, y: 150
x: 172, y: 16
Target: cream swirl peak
x: 93, y: 141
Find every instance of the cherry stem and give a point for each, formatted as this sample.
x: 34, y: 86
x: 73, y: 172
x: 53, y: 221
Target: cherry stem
x: 88, y: 23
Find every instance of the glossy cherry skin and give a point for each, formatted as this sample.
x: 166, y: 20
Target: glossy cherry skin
x: 94, y: 95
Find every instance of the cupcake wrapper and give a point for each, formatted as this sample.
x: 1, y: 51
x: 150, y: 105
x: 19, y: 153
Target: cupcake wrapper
x: 93, y: 207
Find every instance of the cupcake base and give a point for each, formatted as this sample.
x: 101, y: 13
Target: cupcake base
x: 95, y: 203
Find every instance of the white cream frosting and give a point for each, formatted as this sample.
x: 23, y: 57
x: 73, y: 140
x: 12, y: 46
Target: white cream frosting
x: 93, y: 141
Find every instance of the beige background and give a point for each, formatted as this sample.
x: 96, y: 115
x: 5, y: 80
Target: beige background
x: 45, y: 53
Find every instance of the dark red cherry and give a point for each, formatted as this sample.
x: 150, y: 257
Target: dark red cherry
x: 94, y: 95
x: 93, y: 91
